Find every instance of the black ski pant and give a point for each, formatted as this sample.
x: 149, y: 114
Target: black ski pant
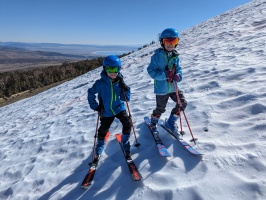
x: 107, y: 121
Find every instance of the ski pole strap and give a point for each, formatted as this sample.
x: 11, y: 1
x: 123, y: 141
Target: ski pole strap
x: 174, y: 69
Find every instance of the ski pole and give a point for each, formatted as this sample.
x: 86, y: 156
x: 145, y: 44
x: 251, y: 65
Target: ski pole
x: 130, y: 117
x: 179, y: 110
x: 96, y: 135
x: 180, y: 104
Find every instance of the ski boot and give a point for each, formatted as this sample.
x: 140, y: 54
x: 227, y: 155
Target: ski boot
x: 154, y: 122
x: 95, y: 160
x: 126, y: 145
x: 98, y: 151
x: 99, y: 146
x: 171, y: 124
x: 127, y: 155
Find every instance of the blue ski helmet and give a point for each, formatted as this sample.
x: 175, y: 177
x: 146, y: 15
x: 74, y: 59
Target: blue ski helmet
x: 169, y: 33
x: 113, y: 61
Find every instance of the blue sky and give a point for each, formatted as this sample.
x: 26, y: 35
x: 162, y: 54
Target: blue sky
x: 102, y: 22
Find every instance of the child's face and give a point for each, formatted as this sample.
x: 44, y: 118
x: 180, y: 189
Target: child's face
x: 170, y: 43
x: 169, y: 47
x: 112, y: 75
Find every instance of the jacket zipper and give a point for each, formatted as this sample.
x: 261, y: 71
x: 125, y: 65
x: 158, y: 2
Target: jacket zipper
x: 112, y: 98
x: 170, y: 87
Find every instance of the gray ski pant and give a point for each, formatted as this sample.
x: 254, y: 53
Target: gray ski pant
x: 161, y: 102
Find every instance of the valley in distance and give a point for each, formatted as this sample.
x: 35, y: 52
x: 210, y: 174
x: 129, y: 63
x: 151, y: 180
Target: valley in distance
x: 24, y: 56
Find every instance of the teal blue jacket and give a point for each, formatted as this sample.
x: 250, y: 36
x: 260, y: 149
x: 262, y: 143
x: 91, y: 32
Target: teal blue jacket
x: 109, y: 94
x: 160, y: 62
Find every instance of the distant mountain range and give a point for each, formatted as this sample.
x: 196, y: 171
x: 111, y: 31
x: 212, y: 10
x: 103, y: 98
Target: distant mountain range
x: 74, y: 49
x: 17, y: 55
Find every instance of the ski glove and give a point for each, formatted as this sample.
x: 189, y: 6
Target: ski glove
x: 176, y: 77
x: 122, y: 84
x: 172, y: 77
x: 99, y: 108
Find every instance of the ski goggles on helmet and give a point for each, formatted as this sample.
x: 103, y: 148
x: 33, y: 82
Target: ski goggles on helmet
x: 110, y: 69
x: 168, y: 41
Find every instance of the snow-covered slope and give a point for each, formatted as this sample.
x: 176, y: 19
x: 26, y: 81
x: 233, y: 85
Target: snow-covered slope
x: 46, y: 140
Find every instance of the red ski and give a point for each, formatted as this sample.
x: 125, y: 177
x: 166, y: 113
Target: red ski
x: 136, y: 176
x: 87, y: 181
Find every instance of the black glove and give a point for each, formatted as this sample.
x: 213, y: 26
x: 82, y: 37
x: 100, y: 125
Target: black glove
x: 99, y: 108
x: 122, y: 84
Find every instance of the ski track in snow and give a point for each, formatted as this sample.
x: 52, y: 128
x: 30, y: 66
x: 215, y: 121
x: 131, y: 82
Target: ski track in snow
x: 46, y: 140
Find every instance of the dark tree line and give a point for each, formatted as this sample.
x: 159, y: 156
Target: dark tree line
x: 18, y: 81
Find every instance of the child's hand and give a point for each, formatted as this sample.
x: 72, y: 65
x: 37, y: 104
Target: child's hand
x: 99, y: 108
x: 176, y: 77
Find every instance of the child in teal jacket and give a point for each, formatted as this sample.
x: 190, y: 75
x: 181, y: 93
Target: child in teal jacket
x: 165, y: 68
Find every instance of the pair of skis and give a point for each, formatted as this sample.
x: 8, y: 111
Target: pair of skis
x: 136, y: 176
x: 130, y: 163
x: 161, y: 148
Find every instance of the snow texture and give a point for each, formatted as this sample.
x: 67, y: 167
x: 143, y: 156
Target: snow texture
x: 47, y: 139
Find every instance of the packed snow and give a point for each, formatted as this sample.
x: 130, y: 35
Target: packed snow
x: 46, y: 140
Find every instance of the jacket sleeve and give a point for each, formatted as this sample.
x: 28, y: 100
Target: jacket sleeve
x: 154, y: 70
x: 92, y: 97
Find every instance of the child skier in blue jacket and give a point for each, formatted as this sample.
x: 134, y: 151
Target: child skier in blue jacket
x: 165, y: 68
x: 110, y: 89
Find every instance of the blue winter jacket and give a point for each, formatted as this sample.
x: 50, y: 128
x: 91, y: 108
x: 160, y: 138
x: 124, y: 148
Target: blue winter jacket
x: 110, y: 94
x: 157, y: 68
